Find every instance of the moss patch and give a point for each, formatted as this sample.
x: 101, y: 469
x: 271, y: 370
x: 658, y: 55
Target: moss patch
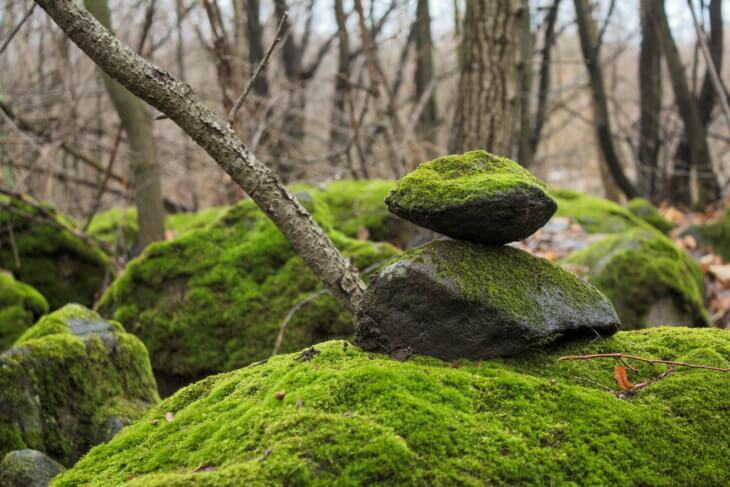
x: 637, y: 268
x: 59, y: 265
x: 214, y: 298
x: 460, y: 179
x: 20, y: 306
x: 596, y: 215
x: 353, y: 418
x: 62, y: 374
x: 643, y: 208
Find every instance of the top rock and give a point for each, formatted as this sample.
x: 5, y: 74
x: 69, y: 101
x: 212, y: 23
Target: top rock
x: 476, y: 196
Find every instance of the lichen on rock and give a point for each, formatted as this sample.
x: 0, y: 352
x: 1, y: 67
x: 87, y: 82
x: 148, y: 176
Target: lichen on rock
x: 349, y: 417
x: 595, y: 215
x: 454, y: 299
x: 475, y: 196
x: 66, y: 378
x: 639, y: 269
x: 20, y: 306
x: 214, y: 299
x: 61, y: 266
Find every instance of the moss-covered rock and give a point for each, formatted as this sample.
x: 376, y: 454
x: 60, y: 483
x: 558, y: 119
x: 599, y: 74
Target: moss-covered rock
x: 595, y: 215
x: 455, y: 299
x: 717, y: 235
x: 648, y: 278
x: 20, y: 307
x: 643, y: 208
x: 69, y: 382
x: 61, y: 266
x: 214, y: 299
x: 474, y: 196
x: 28, y: 468
x: 353, y: 418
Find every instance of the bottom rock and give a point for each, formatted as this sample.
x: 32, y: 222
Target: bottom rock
x: 453, y: 299
x: 28, y: 468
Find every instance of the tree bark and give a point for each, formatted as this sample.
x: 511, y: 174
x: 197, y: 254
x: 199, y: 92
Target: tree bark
x: 699, y: 151
x: 601, y: 121
x: 424, y: 70
x: 137, y: 124
x: 178, y: 101
x: 650, y: 92
x: 486, y: 103
x: 680, y: 180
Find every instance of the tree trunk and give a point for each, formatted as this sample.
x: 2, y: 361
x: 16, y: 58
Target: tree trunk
x: 424, y: 70
x: 524, y: 150
x: 699, y: 151
x: 256, y: 45
x: 650, y: 90
x: 601, y: 120
x: 338, y: 117
x: 178, y: 101
x: 680, y: 180
x: 137, y: 124
x: 486, y: 103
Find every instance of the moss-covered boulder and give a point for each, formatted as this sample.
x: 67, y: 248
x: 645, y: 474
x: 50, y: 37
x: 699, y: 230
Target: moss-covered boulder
x: 41, y: 250
x: 336, y: 415
x: 595, y: 215
x: 643, y: 208
x: 360, y: 204
x: 215, y: 298
x: 20, y: 307
x: 28, y: 468
x: 71, y: 381
x: 455, y: 299
x: 716, y: 235
x: 475, y: 196
x: 648, y: 278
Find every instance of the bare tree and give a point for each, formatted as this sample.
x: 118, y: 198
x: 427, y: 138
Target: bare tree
x: 590, y: 43
x: 178, y: 101
x: 424, y: 75
x: 486, y: 103
x: 137, y: 123
x: 650, y: 92
x: 526, y: 48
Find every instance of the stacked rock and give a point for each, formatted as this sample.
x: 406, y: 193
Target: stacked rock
x: 474, y: 297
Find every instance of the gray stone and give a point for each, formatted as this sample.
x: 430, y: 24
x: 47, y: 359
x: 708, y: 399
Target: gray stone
x: 475, y: 196
x: 28, y: 468
x: 455, y: 300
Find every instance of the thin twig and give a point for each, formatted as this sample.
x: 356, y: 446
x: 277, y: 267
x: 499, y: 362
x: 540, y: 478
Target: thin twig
x: 242, y: 98
x: 17, y: 27
x: 291, y: 313
x: 642, y: 359
x: 13, y: 246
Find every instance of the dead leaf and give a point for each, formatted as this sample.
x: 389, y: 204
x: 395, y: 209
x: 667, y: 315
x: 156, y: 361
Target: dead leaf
x: 280, y: 395
x: 689, y: 242
x: 721, y: 273
x: 300, y: 403
x: 622, y: 378
x: 673, y: 215
x: 363, y: 233
x: 169, y: 417
x: 169, y: 234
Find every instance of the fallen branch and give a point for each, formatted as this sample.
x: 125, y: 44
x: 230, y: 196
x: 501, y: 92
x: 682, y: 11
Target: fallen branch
x: 624, y: 356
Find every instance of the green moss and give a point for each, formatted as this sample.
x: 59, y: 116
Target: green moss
x: 354, y: 418
x: 59, y: 265
x: 57, y: 383
x: 460, y: 179
x: 643, y: 209
x: 481, y: 272
x: 214, y: 298
x: 20, y: 306
x: 637, y: 268
x: 717, y: 235
x: 595, y: 215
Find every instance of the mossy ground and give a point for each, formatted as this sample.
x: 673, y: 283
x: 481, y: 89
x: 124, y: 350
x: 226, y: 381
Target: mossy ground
x: 643, y: 208
x: 55, y: 386
x: 58, y: 264
x: 213, y: 299
x: 637, y: 268
x: 460, y: 179
x: 354, y: 418
x: 595, y: 215
x: 20, y: 306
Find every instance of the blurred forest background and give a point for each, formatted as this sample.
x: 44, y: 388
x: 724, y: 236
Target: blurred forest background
x: 370, y: 88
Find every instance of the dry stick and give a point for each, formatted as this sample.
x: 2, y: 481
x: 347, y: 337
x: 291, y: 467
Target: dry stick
x: 642, y: 359
x: 17, y: 28
x: 242, y: 97
x: 14, y: 247
x: 719, y: 88
x: 290, y: 315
